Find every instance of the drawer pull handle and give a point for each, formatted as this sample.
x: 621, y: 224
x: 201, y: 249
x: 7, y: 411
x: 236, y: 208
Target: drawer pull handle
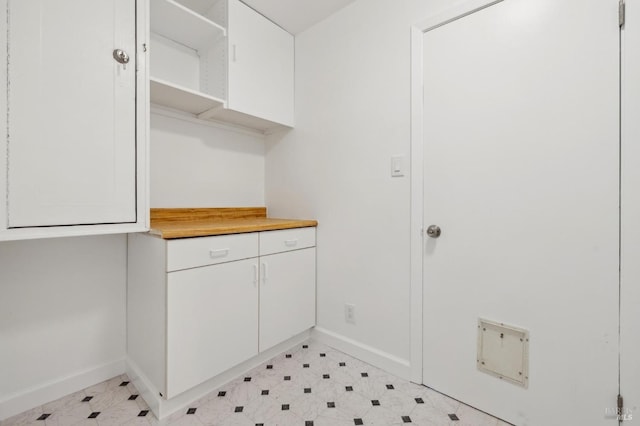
x: 290, y: 243
x: 218, y: 253
x: 255, y: 275
x: 264, y: 272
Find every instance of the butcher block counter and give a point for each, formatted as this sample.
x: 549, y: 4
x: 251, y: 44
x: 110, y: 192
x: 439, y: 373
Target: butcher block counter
x: 170, y: 223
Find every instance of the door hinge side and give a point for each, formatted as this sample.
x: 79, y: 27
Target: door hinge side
x: 620, y: 407
x: 621, y: 13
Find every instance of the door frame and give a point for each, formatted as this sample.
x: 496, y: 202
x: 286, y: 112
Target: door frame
x: 630, y: 209
x: 417, y: 169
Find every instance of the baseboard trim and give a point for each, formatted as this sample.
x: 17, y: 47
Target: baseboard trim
x: 163, y: 408
x: 383, y: 360
x: 23, y: 401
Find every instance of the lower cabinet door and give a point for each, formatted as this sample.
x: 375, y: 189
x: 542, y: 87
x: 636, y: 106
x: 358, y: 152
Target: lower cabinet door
x: 287, y: 295
x: 212, y: 322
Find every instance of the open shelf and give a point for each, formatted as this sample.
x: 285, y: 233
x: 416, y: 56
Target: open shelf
x: 181, y: 98
x: 178, y: 23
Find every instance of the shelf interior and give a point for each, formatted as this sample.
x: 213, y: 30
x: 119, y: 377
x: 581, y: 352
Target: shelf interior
x: 181, y: 98
x: 178, y: 23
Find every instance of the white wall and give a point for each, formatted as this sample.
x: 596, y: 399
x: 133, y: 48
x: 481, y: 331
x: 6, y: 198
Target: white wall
x: 196, y: 165
x: 62, y: 317
x: 352, y: 114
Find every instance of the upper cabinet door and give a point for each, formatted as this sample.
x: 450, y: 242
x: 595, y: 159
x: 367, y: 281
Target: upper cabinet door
x: 261, y: 58
x: 71, y: 113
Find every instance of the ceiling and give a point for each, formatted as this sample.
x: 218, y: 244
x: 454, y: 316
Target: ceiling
x: 296, y: 16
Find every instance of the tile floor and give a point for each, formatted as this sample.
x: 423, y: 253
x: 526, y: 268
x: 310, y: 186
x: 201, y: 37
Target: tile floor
x: 309, y: 385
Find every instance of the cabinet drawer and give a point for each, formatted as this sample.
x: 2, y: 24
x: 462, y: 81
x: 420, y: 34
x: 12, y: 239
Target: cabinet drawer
x: 193, y: 252
x: 286, y: 240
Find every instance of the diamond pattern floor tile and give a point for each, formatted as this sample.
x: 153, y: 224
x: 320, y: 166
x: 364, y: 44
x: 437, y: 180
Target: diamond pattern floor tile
x: 309, y: 385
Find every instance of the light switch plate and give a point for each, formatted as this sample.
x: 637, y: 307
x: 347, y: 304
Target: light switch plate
x: 397, y: 166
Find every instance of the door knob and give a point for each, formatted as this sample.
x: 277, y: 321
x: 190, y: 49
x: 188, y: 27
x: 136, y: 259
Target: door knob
x: 121, y: 56
x: 434, y: 231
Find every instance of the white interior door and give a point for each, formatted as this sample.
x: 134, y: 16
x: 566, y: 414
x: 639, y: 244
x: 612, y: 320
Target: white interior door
x: 71, y: 112
x: 521, y: 170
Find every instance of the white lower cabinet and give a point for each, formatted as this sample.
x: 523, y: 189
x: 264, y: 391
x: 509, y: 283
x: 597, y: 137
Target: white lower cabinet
x: 287, y: 295
x: 212, y: 322
x: 199, y: 306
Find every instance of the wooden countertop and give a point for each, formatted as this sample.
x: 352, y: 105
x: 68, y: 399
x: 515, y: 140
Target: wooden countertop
x: 201, y: 222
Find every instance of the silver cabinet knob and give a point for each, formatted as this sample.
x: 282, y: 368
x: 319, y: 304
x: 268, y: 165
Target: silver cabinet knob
x: 121, y: 56
x: 433, y: 231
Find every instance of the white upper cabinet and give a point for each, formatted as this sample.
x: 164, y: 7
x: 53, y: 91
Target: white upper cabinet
x: 221, y: 60
x: 74, y: 155
x: 260, y: 66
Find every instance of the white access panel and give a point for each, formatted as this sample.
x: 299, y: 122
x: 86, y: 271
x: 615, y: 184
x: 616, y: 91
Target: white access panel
x: 71, y: 113
x: 503, y: 351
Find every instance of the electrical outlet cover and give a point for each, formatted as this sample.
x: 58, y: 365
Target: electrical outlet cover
x: 349, y: 313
